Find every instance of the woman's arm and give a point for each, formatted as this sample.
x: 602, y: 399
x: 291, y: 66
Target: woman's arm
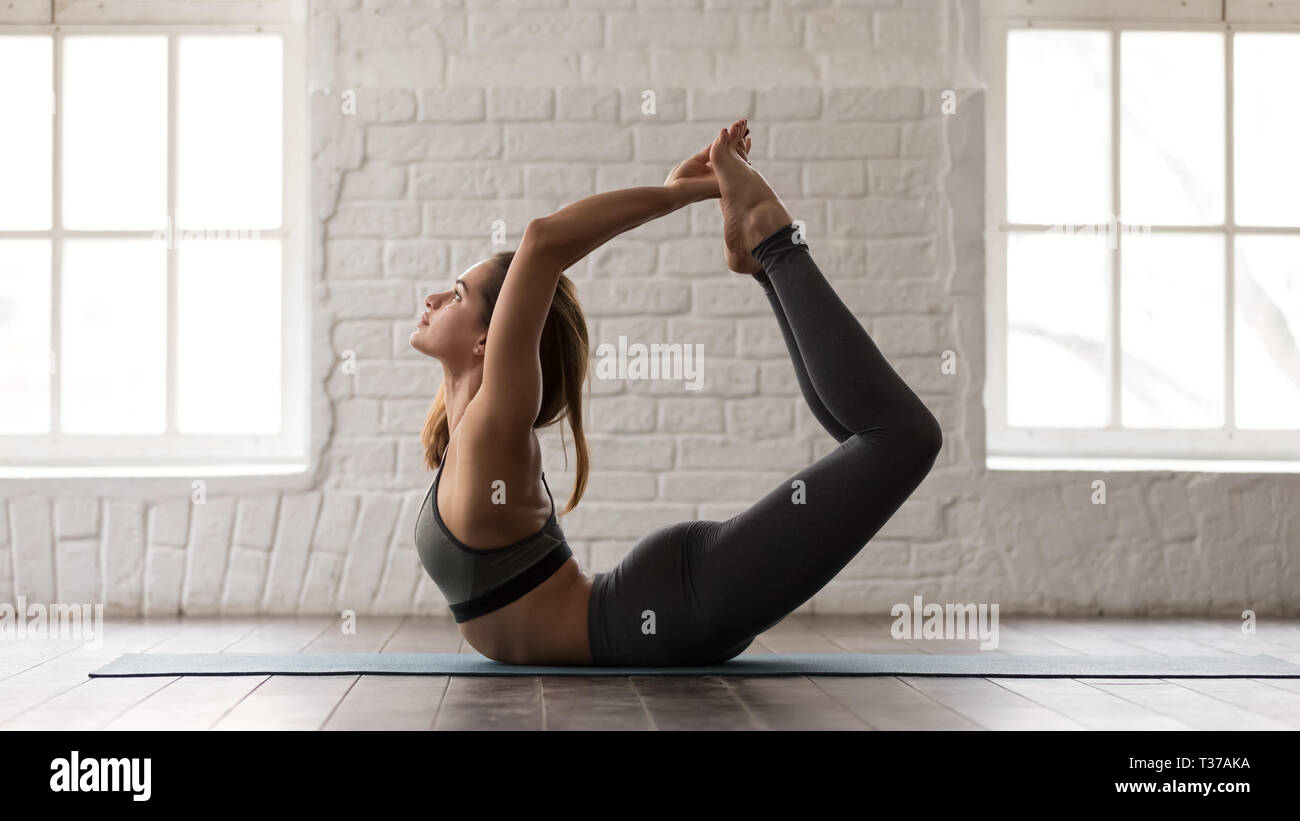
x: 581, y: 227
x: 512, y: 371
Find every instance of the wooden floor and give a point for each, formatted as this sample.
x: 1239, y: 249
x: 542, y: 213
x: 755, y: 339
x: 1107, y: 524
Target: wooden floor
x: 43, y: 684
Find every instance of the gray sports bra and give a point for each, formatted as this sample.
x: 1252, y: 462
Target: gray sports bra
x: 477, y: 581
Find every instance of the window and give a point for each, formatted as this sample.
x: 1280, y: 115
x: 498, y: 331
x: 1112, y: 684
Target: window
x: 152, y: 284
x: 1144, y: 240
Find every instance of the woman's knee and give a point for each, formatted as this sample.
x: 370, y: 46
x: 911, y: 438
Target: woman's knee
x: 928, y: 436
x: 911, y: 440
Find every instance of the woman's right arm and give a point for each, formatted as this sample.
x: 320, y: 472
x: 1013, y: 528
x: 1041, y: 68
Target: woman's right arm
x: 512, y: 371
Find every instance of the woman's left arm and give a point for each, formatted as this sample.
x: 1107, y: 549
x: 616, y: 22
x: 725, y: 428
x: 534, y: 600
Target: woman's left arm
x: 579, y: 228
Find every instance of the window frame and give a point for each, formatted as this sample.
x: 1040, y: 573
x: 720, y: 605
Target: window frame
x: 1224, y: 449
x: 172, y: 453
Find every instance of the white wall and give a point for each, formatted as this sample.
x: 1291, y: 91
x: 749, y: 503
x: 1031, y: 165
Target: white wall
x: 471, y: 111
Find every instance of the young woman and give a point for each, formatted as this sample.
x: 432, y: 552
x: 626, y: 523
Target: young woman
x: 512, y: 342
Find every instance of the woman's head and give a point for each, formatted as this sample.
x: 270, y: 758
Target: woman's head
x: 454, y: 328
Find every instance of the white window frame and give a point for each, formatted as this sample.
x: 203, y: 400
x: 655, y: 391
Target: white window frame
x: 171, y: 453
x: 1226, y: 449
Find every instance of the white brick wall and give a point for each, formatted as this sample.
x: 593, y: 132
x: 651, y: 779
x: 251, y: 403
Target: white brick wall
x: 482, y: 110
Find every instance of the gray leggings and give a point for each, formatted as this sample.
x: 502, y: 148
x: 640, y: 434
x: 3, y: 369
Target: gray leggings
x: 699, y: 592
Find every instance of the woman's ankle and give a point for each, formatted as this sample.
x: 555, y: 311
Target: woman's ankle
x: 764, y: 220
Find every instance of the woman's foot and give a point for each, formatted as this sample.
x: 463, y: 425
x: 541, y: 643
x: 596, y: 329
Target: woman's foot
x: 751, y: 210
x: 739, y: 260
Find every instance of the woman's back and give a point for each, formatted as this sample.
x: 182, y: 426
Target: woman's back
x: 498, y: 554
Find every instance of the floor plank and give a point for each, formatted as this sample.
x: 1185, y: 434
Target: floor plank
x: 693, y: 703
x: 886, y: 703
x: 990, y: 706
x: 288, y: 703
x: 792, y: 703
x: 1082, y: 637
x: 593, y: 703
x: 1248, y: 694
x: 187, y: 703
x: 199, y: 702
x: 491, y: 703
x: 44, y: 683
x: 1196, y: 710
x: 389, y: 703
x: 1090, y: 707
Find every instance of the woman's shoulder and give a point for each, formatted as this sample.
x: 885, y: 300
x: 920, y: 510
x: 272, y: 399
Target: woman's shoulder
x: 479, y: 459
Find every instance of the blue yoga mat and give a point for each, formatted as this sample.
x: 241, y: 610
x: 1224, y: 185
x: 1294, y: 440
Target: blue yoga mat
x: 749, y: 664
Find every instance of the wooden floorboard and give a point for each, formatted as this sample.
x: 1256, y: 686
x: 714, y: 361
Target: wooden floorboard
x: 44, y: 683
x: 399, y: 702
x: 1195, y: 709
x: 593, y: 703
x: 42, y: 695
x: 887, y: 703
x: 792, y: 703
x: 199, y: 702
x: 693, y: 703
x: 1088, y: 706
x: 987, y: 705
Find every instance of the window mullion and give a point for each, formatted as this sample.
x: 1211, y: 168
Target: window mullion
x: 1230, y: 243
x: 1115, y: 359
x: 56, y: 239
x: 170, y: 238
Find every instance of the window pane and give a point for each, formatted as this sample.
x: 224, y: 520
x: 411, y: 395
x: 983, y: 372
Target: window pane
x: 1172, y: 323
x: 1056, y: 329
x: 1058, y: 127
x: 229, y: 132
x: 1267, y: 326
x: 229, y: 337
x: 25, y: 336
x: 1266, y: 143
x: 27, y: 95
x: 1171, y: 143
x: 112, y: 376
x: 115, y: 132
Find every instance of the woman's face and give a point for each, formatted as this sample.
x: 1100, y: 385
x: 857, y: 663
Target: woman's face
x: 451, y: 328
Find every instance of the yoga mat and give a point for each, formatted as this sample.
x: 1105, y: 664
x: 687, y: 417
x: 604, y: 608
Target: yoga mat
x: 753, y: 664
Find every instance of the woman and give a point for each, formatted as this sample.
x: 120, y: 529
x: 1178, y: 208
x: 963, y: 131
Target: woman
x: 513, y: 346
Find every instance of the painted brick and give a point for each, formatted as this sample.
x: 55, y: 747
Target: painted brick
x: 207, y: 553
x: 255, y: 522
x: 244, y: 579
x: 33, y: 549
x: 165, y: 578
x: 375, y: 527
x: 125, y: 568
x: 78, y: 571
x: 288, y: 561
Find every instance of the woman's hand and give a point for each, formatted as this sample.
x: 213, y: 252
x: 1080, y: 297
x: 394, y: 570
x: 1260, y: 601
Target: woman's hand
x: 694, y: 176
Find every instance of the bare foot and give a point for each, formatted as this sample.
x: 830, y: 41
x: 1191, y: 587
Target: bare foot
x: 751, y: 210
x: 739, y: 260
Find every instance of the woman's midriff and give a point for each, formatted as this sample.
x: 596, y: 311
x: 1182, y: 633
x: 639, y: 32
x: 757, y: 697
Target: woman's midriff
x: 548, y: 625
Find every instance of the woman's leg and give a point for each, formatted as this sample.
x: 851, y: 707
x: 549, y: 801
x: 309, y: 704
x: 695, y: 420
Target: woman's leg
x: 828, y: 422
x: 699, y: 592
x: 749, y: 572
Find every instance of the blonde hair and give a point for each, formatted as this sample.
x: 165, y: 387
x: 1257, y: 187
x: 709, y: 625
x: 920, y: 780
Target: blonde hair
x: 564, y: 352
